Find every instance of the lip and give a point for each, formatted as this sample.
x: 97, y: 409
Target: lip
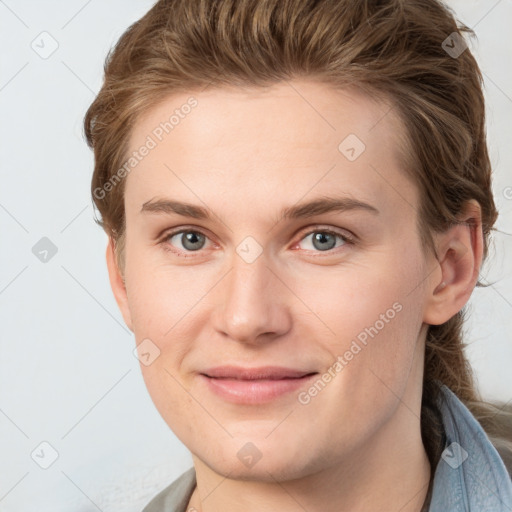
x: 254, y: 385
x: 261, y: 372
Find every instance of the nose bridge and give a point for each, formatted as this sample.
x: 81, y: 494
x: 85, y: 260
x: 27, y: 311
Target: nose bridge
x: 251, y: 302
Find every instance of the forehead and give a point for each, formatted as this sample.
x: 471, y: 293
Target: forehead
x: 281, y: 141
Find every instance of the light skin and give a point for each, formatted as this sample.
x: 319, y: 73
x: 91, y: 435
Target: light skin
x: 245, y: 155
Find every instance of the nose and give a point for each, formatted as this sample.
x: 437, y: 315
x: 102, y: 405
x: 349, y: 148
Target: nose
x: 253, y: 303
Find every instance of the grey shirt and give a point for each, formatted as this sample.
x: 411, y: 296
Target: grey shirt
x: 176, y: 496
x: 470, y: 476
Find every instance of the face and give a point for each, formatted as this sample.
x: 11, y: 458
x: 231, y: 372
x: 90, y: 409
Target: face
x: 298, y: 249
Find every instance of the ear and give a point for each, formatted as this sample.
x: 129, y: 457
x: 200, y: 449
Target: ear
x: 117, y: 284
x: 459, y: 256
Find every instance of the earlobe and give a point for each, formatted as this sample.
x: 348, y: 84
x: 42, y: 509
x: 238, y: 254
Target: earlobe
x: 117, y: 284
x: 460, y: 251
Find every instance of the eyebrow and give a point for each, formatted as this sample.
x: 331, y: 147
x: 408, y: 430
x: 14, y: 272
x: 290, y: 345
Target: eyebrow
x: 299, y: 211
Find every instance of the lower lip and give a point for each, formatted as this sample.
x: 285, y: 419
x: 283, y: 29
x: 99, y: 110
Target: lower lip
x: 254, y: 391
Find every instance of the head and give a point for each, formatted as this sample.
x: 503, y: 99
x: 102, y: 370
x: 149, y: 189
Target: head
x: 247, y: 113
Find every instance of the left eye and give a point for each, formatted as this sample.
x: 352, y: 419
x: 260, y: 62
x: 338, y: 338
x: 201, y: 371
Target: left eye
x: 325, y: 240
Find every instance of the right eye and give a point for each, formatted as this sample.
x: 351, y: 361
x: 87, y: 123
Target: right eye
x: 190, y: 240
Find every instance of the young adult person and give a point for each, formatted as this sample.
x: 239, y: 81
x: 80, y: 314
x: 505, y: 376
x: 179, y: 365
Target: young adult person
x: 298, y: 200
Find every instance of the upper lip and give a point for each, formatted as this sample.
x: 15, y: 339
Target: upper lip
x: 262, y: 372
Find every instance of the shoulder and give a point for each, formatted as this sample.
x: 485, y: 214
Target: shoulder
x: 175, y: 497
x: 470, y: 470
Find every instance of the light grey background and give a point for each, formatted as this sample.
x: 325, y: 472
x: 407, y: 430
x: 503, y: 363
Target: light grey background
x: 67, y: 372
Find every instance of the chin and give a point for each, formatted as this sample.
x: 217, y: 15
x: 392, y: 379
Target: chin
x: 267, y: 470
x: 258, y: 460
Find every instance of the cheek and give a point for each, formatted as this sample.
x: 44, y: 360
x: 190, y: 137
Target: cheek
x: 162, y: 296
x: 374, y: 290
x: 374, y: 313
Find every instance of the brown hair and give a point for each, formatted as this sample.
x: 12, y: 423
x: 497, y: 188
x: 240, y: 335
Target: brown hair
x: 392, y: 49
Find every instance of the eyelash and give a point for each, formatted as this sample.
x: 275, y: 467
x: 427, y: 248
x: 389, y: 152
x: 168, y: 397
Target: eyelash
x: 347, y: 240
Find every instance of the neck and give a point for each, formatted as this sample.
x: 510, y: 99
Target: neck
x: 390, y: 472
